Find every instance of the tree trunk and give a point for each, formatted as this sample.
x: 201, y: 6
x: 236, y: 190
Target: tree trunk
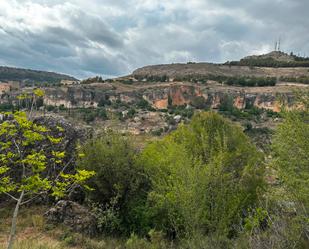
x: 14, y: 222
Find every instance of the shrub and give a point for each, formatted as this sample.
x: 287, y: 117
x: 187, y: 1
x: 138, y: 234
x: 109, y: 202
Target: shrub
x: 203, y: 177
x: 291, y: 147
x: 104, y: 101
x: 50, y: 108
x: 119, y: 184
x: 6, y: 107
x: 199, y: 102
x: 131, y: 112
x: 144, y: 104
x: 89, y: 115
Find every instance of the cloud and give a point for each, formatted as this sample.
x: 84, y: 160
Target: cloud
x: 110, y: 38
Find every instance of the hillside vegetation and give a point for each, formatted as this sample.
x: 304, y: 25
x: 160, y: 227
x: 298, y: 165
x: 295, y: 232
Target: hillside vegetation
x: 205, y: 185
x: 259, y: 70
x: 31, y: 76
x: 273, y: 59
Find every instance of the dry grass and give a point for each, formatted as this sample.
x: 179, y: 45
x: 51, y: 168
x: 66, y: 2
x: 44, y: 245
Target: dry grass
x: 34, y: 233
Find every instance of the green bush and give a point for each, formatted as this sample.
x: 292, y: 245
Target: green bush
x: 203, y: 177
x: 104, y: 102
x: 131, y: 112
x: 6, y: 107
x: 291, y: 147
x: 199, y: 102
x: 89, y: 114
x: 119, y: 185
x: 144, y: 104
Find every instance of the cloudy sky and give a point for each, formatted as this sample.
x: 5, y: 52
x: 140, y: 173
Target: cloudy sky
x: 113, y: 37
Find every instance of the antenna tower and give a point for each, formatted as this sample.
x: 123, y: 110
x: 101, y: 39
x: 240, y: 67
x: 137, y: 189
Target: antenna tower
x: 279, y: 43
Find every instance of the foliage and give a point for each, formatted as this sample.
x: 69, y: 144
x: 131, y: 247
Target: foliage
x: 22, y: 153
x: 96, y: 79
x: 156, y: 241
x: 119, y: 183
x: 31, y: 76
x: 291, y: 147
x: 300, y: 79
x: 90, y: 114
x: 250, y: 112
x: 203, y: 176
x: 157, y: 132
x: 199, y: 102
x: 5, y: 107
x: 131, y: 112
x: 104, y: 101
x: 24, y: 174
x: 251, y: 81
x: 271, y: 62
x: 144, y: 104
x: 184, y: 111
x: 245, y: 81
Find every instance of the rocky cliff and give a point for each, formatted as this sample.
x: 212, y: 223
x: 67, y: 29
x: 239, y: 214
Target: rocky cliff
x: 160, y: 96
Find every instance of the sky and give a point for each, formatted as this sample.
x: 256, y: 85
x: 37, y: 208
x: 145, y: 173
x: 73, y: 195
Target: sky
x: 110, y: 38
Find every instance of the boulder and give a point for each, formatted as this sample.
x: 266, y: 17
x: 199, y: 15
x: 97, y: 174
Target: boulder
x: 177, y: 118
x: 75, y: 216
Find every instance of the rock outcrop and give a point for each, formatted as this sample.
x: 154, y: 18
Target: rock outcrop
x: 73, y: 215
x: 71, y: 134
x: 160, y: 96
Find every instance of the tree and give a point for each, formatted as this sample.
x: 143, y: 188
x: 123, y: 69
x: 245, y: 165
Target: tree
x: 30, y: 166
x: 204, y: 176
x: 287, y: 201
x: 291, y: 148
x: 119, y: 183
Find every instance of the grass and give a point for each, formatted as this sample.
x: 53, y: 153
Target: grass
x: 34, y: 233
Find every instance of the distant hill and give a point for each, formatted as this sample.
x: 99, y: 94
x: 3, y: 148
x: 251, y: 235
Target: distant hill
x: 31, y: 76
x: 272, y: 59
x: 258, y: 70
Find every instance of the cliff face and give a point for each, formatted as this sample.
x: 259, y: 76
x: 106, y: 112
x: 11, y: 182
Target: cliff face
x: 74, y: 96
x: 176, y: 94
x: 240, y: 99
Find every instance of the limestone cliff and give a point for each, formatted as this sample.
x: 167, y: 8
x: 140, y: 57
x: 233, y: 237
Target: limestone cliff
x: 176, y: 94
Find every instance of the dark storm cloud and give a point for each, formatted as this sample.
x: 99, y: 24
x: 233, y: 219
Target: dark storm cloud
x: 108, y: 37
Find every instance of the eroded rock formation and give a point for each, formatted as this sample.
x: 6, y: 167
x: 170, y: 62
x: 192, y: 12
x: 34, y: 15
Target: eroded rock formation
x: 162, y: 95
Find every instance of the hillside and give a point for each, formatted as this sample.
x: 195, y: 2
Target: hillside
x: 31, y: 76
x: 273, y: 59
x: 275, y: 64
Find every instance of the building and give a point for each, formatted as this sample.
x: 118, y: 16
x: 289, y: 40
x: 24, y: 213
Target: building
x: 4, y: 87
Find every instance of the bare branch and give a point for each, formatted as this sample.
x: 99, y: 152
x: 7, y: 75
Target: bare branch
x: 33, y: 198
x: 14, y: 198
x: 63, y: 169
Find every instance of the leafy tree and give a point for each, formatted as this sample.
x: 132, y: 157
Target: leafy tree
x: 104, y: 101
x: 199, y: 102
x: 30, y: 165
x: 119, y: 184
x: 143, y: 104
x: 169, y: 101
x: 204, y: 176
x: 291, y: 147
x: 131, y: 112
